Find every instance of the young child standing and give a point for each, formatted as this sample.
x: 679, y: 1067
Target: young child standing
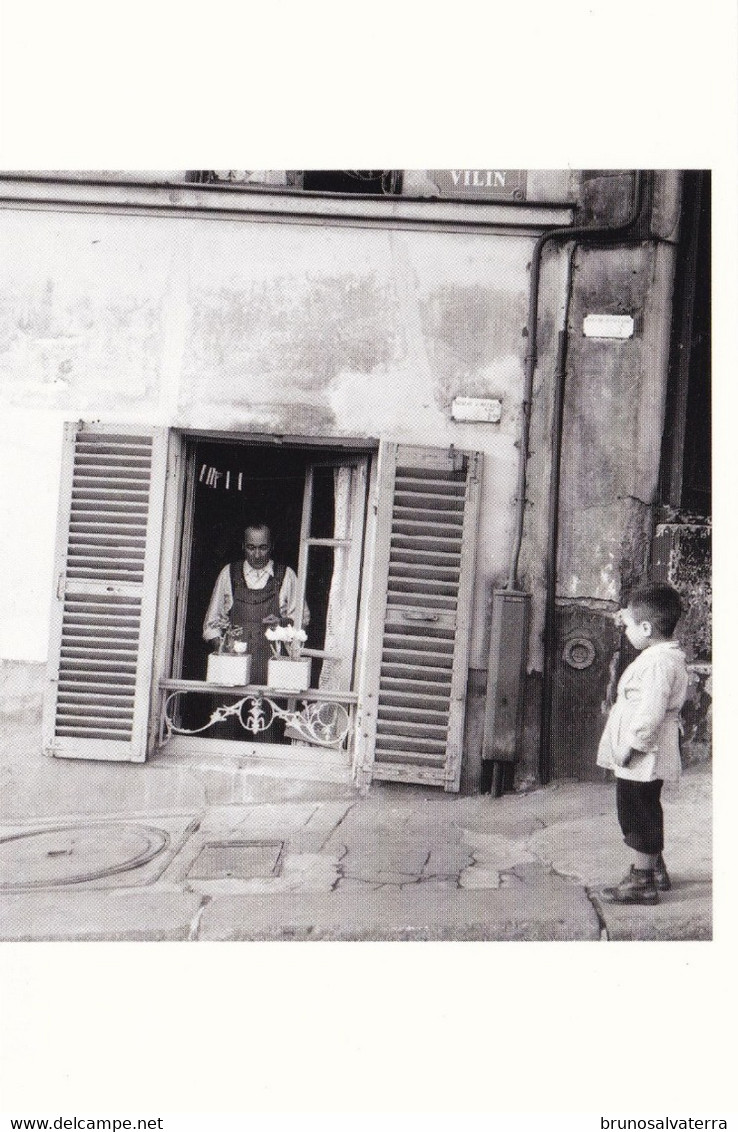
x: 640, y: 742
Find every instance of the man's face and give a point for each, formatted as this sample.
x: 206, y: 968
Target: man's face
x: 257, y: 545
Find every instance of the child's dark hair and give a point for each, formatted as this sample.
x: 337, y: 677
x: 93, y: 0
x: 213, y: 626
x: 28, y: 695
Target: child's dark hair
x: 661, y: 604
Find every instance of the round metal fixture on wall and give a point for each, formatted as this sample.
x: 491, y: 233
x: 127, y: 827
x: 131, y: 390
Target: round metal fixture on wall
x: 579, y: 652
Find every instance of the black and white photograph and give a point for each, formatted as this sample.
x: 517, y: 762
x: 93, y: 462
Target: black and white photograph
x: 373, y: 513
x: 362, y: 759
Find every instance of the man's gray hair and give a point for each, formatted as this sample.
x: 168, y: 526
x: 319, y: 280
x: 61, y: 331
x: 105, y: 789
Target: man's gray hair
x: 258, y: 526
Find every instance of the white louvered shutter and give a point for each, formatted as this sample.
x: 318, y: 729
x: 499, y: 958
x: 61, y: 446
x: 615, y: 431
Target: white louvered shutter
x: 104, y: 604
x: 411, y: 714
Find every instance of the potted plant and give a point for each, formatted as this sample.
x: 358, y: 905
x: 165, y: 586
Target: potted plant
x: 231, y: 663
x: 287, y: 668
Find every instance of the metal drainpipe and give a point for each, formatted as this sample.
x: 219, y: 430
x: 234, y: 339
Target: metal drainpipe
x: 604, y: 232
x: 549, y: 625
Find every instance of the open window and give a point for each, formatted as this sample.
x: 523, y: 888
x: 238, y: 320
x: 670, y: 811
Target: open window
x: 315, y: 510
x: 314, y: 500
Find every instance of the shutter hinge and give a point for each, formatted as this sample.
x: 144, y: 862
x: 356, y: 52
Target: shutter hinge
x: 459, y: 461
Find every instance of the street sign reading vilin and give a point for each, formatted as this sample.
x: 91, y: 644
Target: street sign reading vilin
x: 484, y: 184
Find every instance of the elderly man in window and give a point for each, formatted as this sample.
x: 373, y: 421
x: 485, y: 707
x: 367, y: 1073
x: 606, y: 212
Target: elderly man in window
x: 253, y: 593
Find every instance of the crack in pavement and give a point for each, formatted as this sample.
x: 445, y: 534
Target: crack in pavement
x: 411, y: 879
x: 503, y: 873
x: 569, y: 877
x: 338, y: 824
x: 574, y: 877
x: 194, y: 931
x: 310, y: 816
x: 604, y: 934
x: 340, y: 875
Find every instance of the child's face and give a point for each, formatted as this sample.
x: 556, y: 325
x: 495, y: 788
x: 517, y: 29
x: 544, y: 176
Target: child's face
x: 638, y: 630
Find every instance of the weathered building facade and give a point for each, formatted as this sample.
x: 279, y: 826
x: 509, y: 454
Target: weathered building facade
x: 473, y: 404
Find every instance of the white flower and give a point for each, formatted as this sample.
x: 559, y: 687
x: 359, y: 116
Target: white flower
x: 288, y: 636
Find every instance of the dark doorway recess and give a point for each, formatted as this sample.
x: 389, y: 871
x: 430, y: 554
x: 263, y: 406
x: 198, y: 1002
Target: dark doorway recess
x: 234, y: 484
x: 271, y: 491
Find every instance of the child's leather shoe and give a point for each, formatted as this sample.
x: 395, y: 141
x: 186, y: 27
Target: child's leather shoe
x: 638, y: 886
x: 662, y: 880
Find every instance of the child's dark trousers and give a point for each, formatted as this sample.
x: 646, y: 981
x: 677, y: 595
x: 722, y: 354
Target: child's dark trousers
x: 640, y: 815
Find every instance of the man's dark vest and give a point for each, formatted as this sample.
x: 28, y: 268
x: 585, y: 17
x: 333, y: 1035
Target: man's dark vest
x: 249, y: 609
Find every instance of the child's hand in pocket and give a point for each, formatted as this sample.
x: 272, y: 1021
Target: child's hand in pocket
x: 624, y: 758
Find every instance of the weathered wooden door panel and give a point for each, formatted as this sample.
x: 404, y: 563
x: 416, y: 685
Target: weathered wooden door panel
x: 586, y: 644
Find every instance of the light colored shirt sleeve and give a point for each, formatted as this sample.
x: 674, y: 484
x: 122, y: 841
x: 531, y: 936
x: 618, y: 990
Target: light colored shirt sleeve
x: 288, y: 598
x: 220, y: 604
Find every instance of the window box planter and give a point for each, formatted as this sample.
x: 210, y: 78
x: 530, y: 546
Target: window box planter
x: 228, y: 668
x: 289, y: 675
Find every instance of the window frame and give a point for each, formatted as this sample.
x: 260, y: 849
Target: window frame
x: 174, y: 580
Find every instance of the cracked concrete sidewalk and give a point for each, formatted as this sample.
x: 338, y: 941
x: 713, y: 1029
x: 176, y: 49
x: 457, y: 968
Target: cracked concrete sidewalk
x: 402, y: 863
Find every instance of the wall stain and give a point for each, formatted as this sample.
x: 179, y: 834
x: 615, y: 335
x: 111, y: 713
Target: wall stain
x: 466, y: 328
x: 608, y: 474
x: 299, y: 418
x: 635, y: 544
x: 70, y: 349
x: 684, y: 556
x: 302, y: 333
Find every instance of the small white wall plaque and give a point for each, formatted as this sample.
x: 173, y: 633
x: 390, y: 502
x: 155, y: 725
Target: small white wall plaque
x: 476, y: 409
x: 608, y: 326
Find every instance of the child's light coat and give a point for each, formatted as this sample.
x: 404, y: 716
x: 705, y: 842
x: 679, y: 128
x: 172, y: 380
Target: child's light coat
x: 645, y: 716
